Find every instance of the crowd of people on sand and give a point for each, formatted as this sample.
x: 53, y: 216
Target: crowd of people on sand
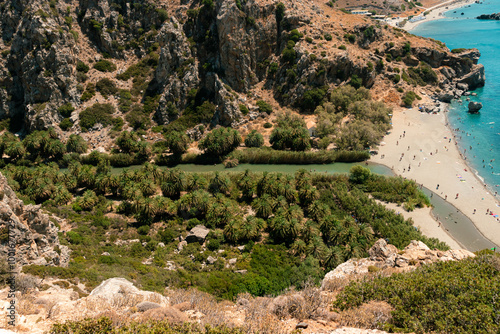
x: 434, y: 153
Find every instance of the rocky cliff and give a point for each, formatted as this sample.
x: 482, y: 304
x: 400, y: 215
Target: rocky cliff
x: 26, y: 233
x: 203, y: 60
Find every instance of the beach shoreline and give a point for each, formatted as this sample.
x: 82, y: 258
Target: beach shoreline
x: 433, y: 159
x: 436, y: 12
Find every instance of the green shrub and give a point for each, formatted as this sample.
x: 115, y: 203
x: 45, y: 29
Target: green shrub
x: 104, y: 65
x: 106, y: 87
x: 436, y: 298
x: 244, y: 109
x: 312, y: 98
x: 264, y: 107
x: 254, y: 139
x: 328, y: 37
x: 342, y: 47
x: 289, y: 55
x: 220, y: 141
x: 273, y: 68
x: 408, y: 98
x: 98, y: 113
x: 290, y: 133
x: 66, y: 109
x: 82, y: 67
x: 65, y: 124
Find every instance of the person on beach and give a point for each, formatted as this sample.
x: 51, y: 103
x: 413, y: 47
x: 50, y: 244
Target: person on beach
x: 456, y: 196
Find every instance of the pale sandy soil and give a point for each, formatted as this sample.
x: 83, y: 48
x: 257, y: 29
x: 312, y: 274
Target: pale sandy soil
x: 421, y: 147
x: 423, y: 219
x: 436, y: 12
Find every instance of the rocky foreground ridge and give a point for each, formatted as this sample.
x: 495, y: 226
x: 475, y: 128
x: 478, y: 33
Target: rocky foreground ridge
x: 227, y: 52
x: 26, y: 233
x: 386, y: 257
x: 43, y: 303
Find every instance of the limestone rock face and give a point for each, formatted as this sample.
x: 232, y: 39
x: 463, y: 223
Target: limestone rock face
x: 385, y: 256
x: 42, y: 66
x: 30, y: 231
x: 176, y: 74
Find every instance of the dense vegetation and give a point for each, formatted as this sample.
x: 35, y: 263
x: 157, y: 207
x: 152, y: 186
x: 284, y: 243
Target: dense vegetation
x: 444, y: 297
x: 368, y: 121
x: 306, y: 223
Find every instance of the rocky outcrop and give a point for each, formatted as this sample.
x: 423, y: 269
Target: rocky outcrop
x: 197, y: 234
x: 385, y: 256
x: 113, y: 288
x: 176, y: 74
x: 474, y: 107
x: 494, y: 16
x: 28, y: 231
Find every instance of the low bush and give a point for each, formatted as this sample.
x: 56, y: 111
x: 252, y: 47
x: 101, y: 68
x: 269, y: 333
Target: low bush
x: 98, y: 113
x: 443, y: 297
x: 106, y: 87
x: 254, y: 139
x: 104, y: 65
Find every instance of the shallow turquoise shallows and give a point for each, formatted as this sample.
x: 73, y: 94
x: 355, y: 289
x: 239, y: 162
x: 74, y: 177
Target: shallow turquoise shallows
x: 479, y: 134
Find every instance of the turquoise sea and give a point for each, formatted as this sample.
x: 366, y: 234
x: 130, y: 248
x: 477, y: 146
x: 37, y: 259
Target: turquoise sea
x: 479, y: 134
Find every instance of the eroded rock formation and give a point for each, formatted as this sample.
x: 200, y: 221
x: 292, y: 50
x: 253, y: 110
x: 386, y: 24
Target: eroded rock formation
x: 27, y: 233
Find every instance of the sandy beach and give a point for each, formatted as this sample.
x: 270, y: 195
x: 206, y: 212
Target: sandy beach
x: 421, y: 147
x: 436, y: 12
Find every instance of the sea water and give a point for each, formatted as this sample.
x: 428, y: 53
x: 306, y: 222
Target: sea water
x: 479, y: 134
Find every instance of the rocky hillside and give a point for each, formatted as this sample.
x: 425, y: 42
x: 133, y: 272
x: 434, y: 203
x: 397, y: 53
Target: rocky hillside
x: 84, y: 65
x: 27, y: 234
x: 56, y: 301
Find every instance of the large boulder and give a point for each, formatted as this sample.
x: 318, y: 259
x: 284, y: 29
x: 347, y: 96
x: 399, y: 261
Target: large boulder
x: 381, y: 250
x: 474, y: 107
x: 118, y: 287
x: 197, y: 234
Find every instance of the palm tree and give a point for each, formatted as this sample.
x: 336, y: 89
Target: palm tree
x: 309, y: 230
x: 298, y: 248
x: 333, y: 258
x: 146, y: 207
x: 61, y: 195
x: 302, y: 177
x: 148, y: 187
x: 101, y: 184
x: 263, y: 184
x: 196, y: 182
x: 231, y: 231
x: 165, y: 206
x: 263, y: 206
x: 88, y: 200
x: 317, y: 248
x: 219, y: 184
x: 246, y: 185
x: 317, y: 211
x: 308, y: 194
